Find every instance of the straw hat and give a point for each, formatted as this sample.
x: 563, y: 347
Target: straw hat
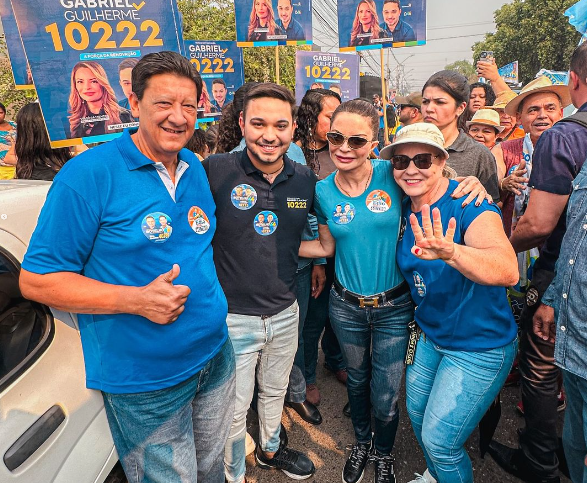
x: 418, y: 133
x: 540, y: 84
x: 502, y: 100
x: 486, y: 117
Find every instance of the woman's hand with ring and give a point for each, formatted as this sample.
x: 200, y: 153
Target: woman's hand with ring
x: 430, y: 241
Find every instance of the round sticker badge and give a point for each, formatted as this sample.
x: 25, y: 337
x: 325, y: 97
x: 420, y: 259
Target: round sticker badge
x: 198, y: 220
x: 157, y: 227
x: 265, y: 223
x: 343, y: 213
x: 419, y: 284
x: 243, y: 196
x: 378, y: 201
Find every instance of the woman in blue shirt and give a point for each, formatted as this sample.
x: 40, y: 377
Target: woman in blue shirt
x: 457, y: 261
x: 358, y: 210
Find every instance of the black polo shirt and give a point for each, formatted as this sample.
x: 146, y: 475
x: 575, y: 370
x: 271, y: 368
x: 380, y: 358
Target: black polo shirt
x: 259, y: 230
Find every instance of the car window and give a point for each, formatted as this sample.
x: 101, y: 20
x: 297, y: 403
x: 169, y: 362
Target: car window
x: 26, y: 328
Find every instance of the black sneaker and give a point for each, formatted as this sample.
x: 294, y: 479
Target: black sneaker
x: 354, y: 468
x: 294, y: 464
x: 383, y: 467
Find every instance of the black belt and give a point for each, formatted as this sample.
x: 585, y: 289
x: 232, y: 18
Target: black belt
x: 373, y: 300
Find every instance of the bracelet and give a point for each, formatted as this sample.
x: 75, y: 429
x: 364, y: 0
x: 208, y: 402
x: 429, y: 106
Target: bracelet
x: 501, y: 184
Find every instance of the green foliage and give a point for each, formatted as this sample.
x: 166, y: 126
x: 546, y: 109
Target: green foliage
x: 534, y: 32
x: 464, y: 67
x: 13, y: 99
x: 215, y: 20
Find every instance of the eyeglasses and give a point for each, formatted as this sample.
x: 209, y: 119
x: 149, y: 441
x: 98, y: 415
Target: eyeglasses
x: 354, y: 142
x: 421, y: 161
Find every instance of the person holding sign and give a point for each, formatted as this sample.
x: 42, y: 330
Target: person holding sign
x: 92, y: 102
x: 160, y: 356
x: 366, y: 24
x: 289, y: 25
x: 262, y: 24
x: 393, y: 27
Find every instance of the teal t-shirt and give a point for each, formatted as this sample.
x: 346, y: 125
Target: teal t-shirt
x: 366, y: 230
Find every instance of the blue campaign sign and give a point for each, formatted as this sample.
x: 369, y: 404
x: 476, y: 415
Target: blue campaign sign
x: 81, y: 54
x: 220, y: 64
x: 327, y: 70
x: 262, y: 23
x: 376, y: 24
x: 20, y: 68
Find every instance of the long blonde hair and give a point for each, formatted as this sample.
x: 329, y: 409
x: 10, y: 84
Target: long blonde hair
x: 375, y: 29
x: 254, y: 20
x: 205, y: 100
x: 78, y: 108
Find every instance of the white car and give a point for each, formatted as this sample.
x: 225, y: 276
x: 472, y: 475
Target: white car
x: 52, y: 429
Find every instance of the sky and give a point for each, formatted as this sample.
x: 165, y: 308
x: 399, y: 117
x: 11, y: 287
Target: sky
x: 457, y: 24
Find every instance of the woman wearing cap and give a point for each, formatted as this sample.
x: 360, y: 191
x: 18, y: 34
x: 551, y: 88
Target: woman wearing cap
x: 484, y: 127
x: 370, y: 304
x: 457, y: 261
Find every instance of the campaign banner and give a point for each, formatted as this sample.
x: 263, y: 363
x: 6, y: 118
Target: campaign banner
x: 509, y: 72
x: 379, y: 24
x: 18, y: 61
x: 81, y: 54
x: 326, y: 70
x: 263, y: 23
x: 220, y: 64
x: 556, y: 76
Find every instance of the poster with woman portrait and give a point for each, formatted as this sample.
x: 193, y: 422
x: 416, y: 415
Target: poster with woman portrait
x: 262, y: 23
x: 220, y: 64
x: 18, y: 61
x: 376, y: 24
x: 82, y: 53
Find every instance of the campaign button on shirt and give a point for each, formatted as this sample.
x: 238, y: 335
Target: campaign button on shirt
x: 243, y: 196
x: 157, y: 227
x: 419, y: 284
x: 378, y: 201
x: 198, y: 220
x: 265, y: 223
x: 343, y: 213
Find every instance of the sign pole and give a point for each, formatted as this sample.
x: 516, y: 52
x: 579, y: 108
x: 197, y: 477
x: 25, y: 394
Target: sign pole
x: 384, y: 98
x: 277, y: 64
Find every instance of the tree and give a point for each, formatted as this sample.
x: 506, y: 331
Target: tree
x: 464, y: 67
x: 533, y: 32
x: 215, y: 20
x: 13, y: 99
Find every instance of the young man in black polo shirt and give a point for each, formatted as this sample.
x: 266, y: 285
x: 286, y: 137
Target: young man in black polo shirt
x: 256, y: 253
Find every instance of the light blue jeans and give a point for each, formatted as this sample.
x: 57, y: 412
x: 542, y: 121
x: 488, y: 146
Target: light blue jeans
x: 575, y: 428
x: 177, y: 434
x: 447, y: 394
x: 264, y: 348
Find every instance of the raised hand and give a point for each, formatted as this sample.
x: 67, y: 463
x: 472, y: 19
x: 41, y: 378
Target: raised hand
x: 430, y: 241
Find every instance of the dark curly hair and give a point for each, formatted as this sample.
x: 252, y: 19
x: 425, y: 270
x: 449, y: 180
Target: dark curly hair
x: 308, y: 112
x: 489, y: 101
x: 229, y: 130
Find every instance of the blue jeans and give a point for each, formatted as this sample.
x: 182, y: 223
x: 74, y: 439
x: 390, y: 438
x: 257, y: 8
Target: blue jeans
x: 447, y: 394
x: 176, y: 434
x: 264, y: 347
x: 296, y: 390
x: 373, y: 342
x: 575, y: 428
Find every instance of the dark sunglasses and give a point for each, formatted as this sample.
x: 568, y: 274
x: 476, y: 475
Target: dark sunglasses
x: 421, y: 161
x: 354, y: 142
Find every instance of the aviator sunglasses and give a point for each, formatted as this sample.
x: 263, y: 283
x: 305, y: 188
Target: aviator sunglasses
x: 354, y: 142
x: 421, y: 161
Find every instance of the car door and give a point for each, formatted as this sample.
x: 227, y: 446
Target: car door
x: 52, y: 429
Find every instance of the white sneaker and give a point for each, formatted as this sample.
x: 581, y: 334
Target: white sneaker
x: 425, y: 478
x: 250, y: 444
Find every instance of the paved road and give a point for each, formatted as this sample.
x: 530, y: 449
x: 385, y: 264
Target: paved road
x: 326, y: 443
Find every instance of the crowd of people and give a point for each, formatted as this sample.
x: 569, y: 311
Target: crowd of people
x: 432, y: 255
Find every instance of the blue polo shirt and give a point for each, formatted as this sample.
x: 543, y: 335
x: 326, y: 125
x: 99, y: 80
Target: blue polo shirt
x: 294, y: 30
x: 455, y: 312
x: 110, y: 217
x: 365, y: 228
x: 403, y: 32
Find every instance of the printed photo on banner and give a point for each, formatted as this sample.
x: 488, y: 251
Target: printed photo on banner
x: 21, y: 71
x: 339, y: 72
x: 82, y: 53
x: 220, y: 63
x: 273, y: 22
x: 373, y: 24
